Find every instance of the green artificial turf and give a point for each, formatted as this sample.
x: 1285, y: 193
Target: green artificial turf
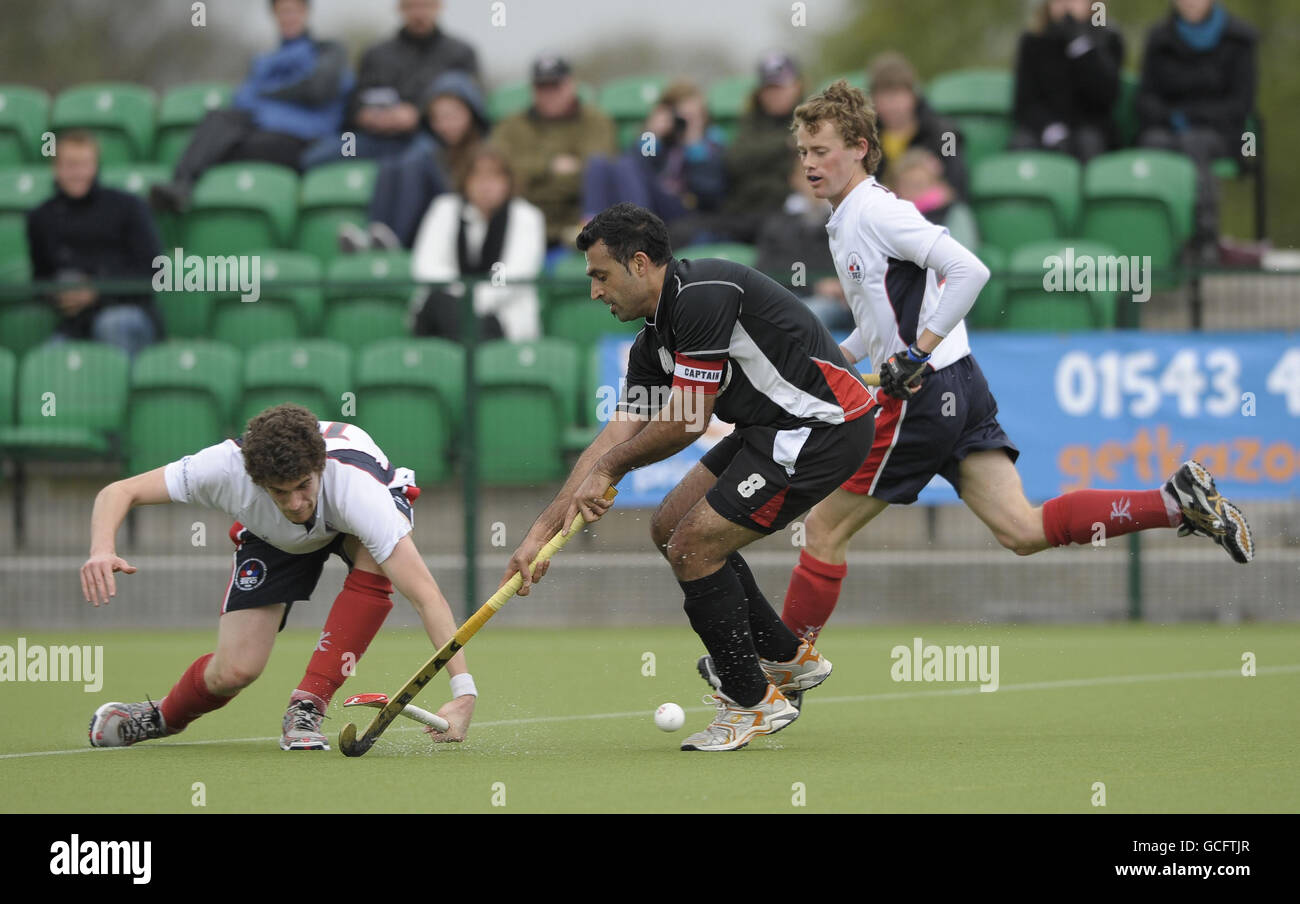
x: 1160, y: 714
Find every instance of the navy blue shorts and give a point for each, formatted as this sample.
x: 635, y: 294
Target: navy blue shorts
x: 768, y: 477
x: 264, y: 575
x: 953, y: 415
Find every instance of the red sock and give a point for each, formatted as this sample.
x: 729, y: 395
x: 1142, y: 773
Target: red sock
x: 190, y: 698
x: 355, y: 618
x: 1070, y: 518
x: 814, y: 590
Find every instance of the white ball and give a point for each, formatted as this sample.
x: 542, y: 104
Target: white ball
x: 669, y: 717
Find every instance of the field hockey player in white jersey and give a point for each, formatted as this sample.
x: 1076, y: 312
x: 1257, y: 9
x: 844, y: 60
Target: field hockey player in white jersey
x: 909, y: 284
x: 300, y: 490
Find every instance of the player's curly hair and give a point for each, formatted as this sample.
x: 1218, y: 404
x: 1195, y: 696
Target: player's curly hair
x: 283, y: 444
x: 852, y: 114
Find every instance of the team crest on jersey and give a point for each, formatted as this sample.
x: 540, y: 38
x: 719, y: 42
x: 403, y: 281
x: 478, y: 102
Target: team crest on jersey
x: 251, y: 574
x: 854, y: 267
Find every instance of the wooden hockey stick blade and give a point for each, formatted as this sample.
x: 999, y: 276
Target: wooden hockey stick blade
x: 351, y: 745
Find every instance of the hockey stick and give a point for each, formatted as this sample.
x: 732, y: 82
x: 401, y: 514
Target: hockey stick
x: 351, y: 745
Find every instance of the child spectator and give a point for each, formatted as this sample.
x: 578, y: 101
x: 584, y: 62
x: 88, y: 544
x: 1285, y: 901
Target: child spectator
x: 383, y: 111
x: 484, y: 231
x: 907, y: 121
x: 292, y: 96
x: 679, y: 170
x: 1198, y: 88
x: 918, y: 177
x: 550, y: 143
x: 406, y: 185
x: 1067, y: 81
x: 88, y: 232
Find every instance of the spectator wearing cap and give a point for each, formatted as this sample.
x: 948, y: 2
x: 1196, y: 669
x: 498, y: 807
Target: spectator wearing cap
x: 406, y: 185
x: 673, y: 167
x: 88, y: 232
x: 549, y: 144
x: 907, y: 121
x: 383, y: 111
x: 1198, y: 87
x: 1067, y: 81
x: 761, y: 153
x: 292, y: 96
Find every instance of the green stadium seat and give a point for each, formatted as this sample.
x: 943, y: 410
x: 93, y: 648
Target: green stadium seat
x: 525, y: 389
x: 24, y: 115
x: 727, y: 99
x: 1141, y: 201
x: 25, y: 324
x: 855, y: 77
x: 311, y: 372
x: 183, y: 396
x: 990, y: 308
x: 240, y: 208
x: 515, y: 97
x: 628, y: 101
x: 1024, y: 196
x: 736, y: 252
x: 21, y: 189
x: 1029, y: 306
x: 979, y: 102
x: 583, y: 321
x: 368, y: 297
x: 8, y: 386
x: 1124, y: 114
x: 182, y: 108
x: 410, y: 398
x: 71, y: 401
x: 121, y: 115
x: 186, y: 315
x: 333, y: 194
x: 289, y: 302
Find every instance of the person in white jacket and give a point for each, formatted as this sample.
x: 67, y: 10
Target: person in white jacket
x: 481, y: 232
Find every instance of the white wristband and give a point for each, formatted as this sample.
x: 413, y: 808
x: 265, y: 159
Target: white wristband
x: 463, y: 684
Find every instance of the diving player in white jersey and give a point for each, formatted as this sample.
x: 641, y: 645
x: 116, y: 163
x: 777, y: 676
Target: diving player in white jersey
x: 300, y: 490
x: 909, y: 284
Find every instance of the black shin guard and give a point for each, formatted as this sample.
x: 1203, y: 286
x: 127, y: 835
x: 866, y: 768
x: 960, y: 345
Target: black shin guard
x: 716, y: 606
x: 773, y: 640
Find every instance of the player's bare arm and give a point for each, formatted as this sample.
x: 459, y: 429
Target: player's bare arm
x: 668, y: 432
x: 411, y: 577
x: 111, y: 505
x: 620, y: 428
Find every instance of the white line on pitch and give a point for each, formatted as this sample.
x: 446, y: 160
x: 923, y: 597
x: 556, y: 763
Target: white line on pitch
x: 861, y: 698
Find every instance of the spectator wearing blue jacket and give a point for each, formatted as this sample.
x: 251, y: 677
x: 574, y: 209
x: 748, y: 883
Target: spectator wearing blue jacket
x: 292, y: 96
x: 674, y: 167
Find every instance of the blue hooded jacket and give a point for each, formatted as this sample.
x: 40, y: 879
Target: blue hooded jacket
x: 298, y: 89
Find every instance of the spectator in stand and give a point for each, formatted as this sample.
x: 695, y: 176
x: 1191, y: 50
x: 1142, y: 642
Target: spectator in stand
x: 907, y: 121
x: 792, y: 249
x: 1198, y: 88
x: 383, y: 111
x: 406, y: 185
x: 549, y: 145
x: 918, y: 177
x: 292, y: 96
x: 678, y: 171
x: 482, y: 231
x: 88, y: 232
x: 1067, y: 81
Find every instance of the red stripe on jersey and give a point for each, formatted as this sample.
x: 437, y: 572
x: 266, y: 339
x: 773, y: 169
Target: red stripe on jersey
x: 849, y: 392
x: 235, y: 530
x: 767, y: 514
x: 886, y: 430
